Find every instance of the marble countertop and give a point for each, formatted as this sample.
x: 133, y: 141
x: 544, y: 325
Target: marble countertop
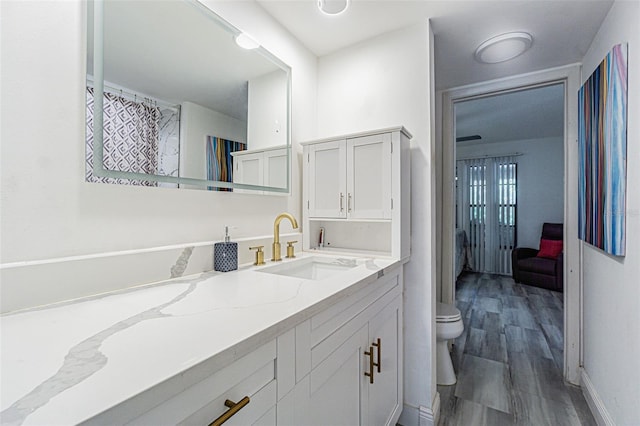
x: 67, y: 363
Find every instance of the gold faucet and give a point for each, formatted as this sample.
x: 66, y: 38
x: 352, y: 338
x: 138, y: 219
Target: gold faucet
x: 276, y: 234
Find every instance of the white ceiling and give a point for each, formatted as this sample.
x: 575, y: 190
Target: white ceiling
x: 527, y: 114
x: 562, y: 30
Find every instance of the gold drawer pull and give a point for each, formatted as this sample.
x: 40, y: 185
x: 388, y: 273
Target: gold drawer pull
x: 378, y: 345
x: 371, y: 364
x: 234, y: 407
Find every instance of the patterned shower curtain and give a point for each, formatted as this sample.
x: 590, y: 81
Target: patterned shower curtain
x: 220, y: 160
x: 130, y: 141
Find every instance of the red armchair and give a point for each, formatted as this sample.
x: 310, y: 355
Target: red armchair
x: 529, y: 268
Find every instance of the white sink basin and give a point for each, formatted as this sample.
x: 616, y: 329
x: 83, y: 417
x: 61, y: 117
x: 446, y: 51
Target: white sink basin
x: 311, y: 268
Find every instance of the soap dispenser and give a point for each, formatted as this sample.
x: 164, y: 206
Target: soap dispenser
x: 225, y: 255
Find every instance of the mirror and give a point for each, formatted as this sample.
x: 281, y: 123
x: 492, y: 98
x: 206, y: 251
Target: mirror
x: 173, y: 100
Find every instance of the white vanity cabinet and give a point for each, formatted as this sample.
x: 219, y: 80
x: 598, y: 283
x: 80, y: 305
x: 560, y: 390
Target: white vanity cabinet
x: 339, y: 350
x: 253, y: 376
x: 317, y: 373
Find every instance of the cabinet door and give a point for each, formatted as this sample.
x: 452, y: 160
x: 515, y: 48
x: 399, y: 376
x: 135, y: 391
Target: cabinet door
x: 275, y: 168
x: 249, y: 169
x: 385, y: 394
x: 369, y: 177
x: 336, y: 391
x: 327, y: 179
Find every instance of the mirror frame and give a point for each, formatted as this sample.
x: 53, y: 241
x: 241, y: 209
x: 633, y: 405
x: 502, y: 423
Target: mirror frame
x: 98, y: 112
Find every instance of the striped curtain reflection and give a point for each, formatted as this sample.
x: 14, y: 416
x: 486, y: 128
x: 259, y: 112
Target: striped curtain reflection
x: 220, y: 160
x: 486, y: 210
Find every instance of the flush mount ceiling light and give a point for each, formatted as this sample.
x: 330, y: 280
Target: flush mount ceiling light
x: 246, y: 42
x: 503, y: 47
x: 333, y: 7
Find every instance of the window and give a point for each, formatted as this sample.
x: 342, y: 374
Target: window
x: 486, y: 210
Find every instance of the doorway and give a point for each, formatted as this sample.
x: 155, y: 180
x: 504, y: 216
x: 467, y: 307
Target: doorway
x: 568, y: 78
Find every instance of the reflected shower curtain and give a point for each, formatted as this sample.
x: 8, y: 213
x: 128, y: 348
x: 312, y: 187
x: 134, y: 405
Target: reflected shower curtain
x: 486, y: 209
x: 220, y: 160
x: 130, y: 141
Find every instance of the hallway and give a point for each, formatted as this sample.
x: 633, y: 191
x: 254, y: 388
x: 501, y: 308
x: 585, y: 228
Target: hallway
x: 509, y: 358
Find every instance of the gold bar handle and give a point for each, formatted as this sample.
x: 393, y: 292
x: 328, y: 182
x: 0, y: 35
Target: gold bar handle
x: 349, y: 203
x: 234, y: 407
x: 371, y: 364
x: 378, y: 344
x: 341, y: 202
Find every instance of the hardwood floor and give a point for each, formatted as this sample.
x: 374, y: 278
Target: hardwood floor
x: 509, y: 360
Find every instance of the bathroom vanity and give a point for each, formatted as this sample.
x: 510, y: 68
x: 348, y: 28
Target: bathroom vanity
x: 309, y: 340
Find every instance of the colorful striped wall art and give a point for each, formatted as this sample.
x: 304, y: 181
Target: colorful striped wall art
x: 220, y: 160
x: 602, y: 149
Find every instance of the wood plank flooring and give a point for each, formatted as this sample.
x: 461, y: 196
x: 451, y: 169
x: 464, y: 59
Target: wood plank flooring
x: 509, y: 358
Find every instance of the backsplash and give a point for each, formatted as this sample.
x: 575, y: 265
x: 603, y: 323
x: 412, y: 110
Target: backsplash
x: 36, y: 283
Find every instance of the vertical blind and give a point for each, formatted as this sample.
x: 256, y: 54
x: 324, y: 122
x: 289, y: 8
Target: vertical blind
x: 486, y: 209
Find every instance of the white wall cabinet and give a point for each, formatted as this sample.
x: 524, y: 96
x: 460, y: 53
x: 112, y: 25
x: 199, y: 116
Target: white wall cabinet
x: 352, y: 376
x: 266, y: 167
x: 364, y: 178
x: 350, y: 178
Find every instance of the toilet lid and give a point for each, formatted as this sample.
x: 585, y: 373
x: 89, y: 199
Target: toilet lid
x: 447, y: 313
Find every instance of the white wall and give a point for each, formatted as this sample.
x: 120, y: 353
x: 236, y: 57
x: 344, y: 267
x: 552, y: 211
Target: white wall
x: 611, y: 284
x: 384, y: 82
x: 540, y: 181
x: 196, y: 123
x: 49, y: 211
x: 267, y: 115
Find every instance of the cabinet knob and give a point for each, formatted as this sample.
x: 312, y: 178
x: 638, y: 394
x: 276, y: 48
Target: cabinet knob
x: 341, y: 202
x: 259, y: 255
x: 234, y: 407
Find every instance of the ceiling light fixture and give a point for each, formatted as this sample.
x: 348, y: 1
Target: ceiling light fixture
x: 333, y: 7
x: 246, y: 42
x: 503, y: 47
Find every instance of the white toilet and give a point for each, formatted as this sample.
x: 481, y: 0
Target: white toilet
x: 448, y: 326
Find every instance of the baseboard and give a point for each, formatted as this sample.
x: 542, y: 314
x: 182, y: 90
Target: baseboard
x: 421, y: 416
x: 434, y: 413
x: 594, y: 401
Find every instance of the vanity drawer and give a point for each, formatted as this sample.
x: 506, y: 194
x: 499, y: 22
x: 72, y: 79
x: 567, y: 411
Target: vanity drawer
x: 253, y: 376
x: 257, y: 411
